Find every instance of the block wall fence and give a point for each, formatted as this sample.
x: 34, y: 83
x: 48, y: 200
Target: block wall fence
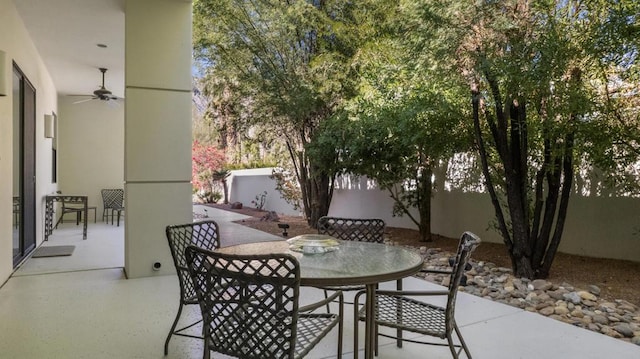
x: 601, y: 227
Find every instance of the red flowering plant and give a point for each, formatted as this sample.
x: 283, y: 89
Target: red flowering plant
x: 206, y: 161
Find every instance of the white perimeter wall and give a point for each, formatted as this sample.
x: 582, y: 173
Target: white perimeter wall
x: 595, y: 226
x: 245, y: 185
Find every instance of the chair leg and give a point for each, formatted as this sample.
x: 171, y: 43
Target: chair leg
x: 399, y: 311
x: 340, y: 327
x: 462, y: 343
x: 207, y: 351
x: 356, y: 319
x: 119, y: 218
x: 355, y: 335
x: 59, y: 220
x: 173, y: 328
x: 326, y: 295
x: 452, y: 348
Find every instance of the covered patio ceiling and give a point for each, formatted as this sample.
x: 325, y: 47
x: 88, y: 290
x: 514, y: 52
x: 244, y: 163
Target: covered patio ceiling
x: 67, y: 33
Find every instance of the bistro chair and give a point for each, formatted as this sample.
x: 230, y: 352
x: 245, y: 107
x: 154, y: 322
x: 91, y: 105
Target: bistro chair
x: 73, y: 207
x: 399, y: 309
x: 204, y: 234
x: 351, y: 229
x: 113, y: 201
x: 250, y: 306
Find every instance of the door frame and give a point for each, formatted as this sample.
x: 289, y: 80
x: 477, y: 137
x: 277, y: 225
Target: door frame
x: 27, y: 169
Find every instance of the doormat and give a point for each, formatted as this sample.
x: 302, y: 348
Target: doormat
x: 53, y: 251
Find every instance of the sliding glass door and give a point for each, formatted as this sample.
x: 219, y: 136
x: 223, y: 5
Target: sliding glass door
x: 24, y: 166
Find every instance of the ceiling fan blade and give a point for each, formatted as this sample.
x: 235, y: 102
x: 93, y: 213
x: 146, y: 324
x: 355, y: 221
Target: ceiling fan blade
x: 85, y: 100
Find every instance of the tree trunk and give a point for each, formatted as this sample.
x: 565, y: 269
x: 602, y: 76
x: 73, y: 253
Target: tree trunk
x: 532, y: 241
x: 225, y: 190
x: 424, y: 203
x: 316, y: 188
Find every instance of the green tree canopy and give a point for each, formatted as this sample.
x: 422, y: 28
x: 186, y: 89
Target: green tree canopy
x: 532, y: 68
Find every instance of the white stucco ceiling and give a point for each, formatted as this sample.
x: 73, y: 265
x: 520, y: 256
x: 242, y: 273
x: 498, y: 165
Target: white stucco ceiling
x: 66, y: 34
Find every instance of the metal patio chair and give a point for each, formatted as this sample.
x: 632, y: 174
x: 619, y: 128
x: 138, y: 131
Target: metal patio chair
x: 112, y: 200
x: 250, y: 306
x: 400, y: 309
x: 352, y: 229
x: 204, y: 234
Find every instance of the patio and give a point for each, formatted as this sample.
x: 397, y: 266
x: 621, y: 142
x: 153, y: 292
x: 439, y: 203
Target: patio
x: 83, y: 307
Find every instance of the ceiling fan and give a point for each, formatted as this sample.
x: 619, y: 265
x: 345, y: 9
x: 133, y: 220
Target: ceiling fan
x: 100, y: 94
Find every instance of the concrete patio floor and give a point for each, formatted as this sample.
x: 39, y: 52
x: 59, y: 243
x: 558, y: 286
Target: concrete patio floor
x: 82, y: 306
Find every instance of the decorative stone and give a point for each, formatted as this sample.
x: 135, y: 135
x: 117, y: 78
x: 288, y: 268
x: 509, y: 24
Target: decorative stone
x: 624, y: 305
x: 587, y: 296
x: 579, y: 307
x: 624, y: 329
x: 573, y: 297
x: 600, y: 319
x: 557, y: 294
x: 577, y: 313
x: 547, y: 311
x: 541, y: 284
x: 236, y: 205
x: 560, y: 310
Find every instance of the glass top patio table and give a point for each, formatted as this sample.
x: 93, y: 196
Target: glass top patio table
x: 353, y: 263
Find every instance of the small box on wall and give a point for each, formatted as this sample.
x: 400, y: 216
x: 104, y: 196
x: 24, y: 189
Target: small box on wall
x: 49, y: 126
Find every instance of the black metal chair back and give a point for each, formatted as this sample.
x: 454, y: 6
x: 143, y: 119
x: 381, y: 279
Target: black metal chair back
x: 204, y: 234
x: 468, y: 243
x: 112, y: 200
x: 250, y: 305
x: 353, y: 229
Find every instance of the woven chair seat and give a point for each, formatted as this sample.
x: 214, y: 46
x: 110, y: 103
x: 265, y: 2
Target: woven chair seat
x: 255, y: 342
x: 410, y: 314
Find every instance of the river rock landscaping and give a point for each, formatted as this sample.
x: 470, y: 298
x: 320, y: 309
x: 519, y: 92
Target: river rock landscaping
x: 581, y: 307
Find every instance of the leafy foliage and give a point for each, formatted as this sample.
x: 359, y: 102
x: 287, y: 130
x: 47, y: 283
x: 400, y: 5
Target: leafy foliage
x: 283, y: 68
x: 532, y: 69
x: 206, y: 169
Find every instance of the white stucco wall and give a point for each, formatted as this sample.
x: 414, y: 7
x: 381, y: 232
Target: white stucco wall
x: 90, y: 148
x: 245, y: 185
x: 15, y: 41
x: 595, y: 226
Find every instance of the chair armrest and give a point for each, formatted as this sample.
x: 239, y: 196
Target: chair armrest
x: 412, y: 293
x: 438, y: 271
x: 316, y: 305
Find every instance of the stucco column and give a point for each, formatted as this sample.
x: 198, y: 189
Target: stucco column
x: 157, y: 130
